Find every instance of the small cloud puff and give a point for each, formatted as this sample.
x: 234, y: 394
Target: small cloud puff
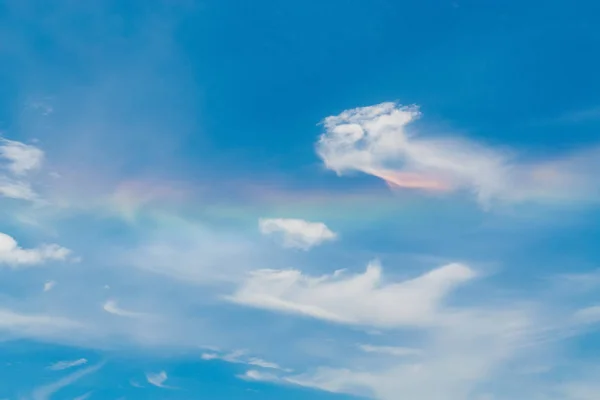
x: 14, y: 256
x: 49, y: 286
x: 297, y: 233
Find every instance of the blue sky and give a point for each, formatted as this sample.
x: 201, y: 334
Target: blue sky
x: 316, y: 200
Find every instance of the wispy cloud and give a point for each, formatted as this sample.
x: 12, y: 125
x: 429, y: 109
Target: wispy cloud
x: 240, y: 357
x: 48, y: 286
x: 111, y: 307
x: 14, y: 256
x: 84, y: 396
x: 157, y: 379
x: 17, y: 160
x: 376, y: 140
x: 297, y: 233
x: 361, y: 299
x: 35, y: 325
x: 67, y: 364
x: 588, y: 315
x: 390, y: 350
x: 20, y: 157
x: 45, y: 392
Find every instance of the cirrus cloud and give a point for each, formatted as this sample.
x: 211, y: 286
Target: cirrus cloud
x: 361, y: 299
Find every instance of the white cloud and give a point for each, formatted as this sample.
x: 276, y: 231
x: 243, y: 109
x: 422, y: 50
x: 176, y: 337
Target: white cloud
x: 361, y: 299
x: 45, y: 392
x: 111, y: 307
x: 21, y: 158
x: 67, y: 364
x: 376, y: 140
x: 14, y: 256
x: 297, y: 233
x: 390, y: 350
x: 157, y: 379
x: 239, y: 357
x: 16, y: 189
x: 49, y: 286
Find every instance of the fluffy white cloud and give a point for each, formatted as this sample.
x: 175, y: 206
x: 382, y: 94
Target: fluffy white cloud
x: 14, y: 256
x: 297, y: 233
x: 361, y: 299
x: 20, y: 157
x: 376, y: 140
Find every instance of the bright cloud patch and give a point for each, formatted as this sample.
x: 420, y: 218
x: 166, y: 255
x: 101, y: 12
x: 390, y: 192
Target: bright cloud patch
x: 357, y: 299
x: 157, y: 379
x: 16, y: 160
x: 14, y: 256
x: 297, y: 233
x: 20, y: 157
x: 375, y: 140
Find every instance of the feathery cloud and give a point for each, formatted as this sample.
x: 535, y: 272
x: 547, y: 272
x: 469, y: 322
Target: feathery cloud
x: 297, y: 233
x: 67, y: 364
x: 361, y: 299
x: 20, y: 157
x: 111, y: 307
x: 239, y: 357
x: 45, y: 392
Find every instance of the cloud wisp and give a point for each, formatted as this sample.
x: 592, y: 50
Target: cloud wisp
x: 112, y: 307
x: 17, y: 160
x: 361, y: 299
x: 378, y: 141
x: 240, y: 357
x: 45, y: 392
x: 67, y: 364
x: 297, y: 233
x: 158, y: 379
